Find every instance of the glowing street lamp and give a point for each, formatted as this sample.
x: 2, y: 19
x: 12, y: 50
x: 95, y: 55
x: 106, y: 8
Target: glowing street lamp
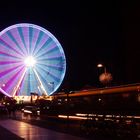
x: 105, y: 77
x: 102, y: 66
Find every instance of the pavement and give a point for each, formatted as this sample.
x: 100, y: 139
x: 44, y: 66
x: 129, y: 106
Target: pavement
x: 7, y: 135
x: 18, y: 130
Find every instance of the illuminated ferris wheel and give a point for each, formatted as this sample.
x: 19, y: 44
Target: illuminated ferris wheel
x: 31, y: 60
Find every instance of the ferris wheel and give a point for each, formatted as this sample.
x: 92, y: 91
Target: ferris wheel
x: 31, y: 60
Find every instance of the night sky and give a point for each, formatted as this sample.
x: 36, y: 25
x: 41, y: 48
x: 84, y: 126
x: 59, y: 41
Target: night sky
x: 90, y: 33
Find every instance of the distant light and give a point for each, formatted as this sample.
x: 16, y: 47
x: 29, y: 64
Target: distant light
x: 27, y: 111
x: 3, y: 85
x: 30, y: 61
x: 100, y: 65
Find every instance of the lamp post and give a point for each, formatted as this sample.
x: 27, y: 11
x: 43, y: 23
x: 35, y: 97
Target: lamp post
x: 102, y: 66
x: 105, y: 77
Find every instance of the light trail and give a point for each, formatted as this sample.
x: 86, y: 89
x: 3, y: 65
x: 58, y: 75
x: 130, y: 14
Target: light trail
x: 72, y: 117
x: 81, y: 116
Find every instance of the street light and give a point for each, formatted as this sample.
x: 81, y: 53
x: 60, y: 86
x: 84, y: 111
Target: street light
x: 102, y: 66
x: 105, y: 77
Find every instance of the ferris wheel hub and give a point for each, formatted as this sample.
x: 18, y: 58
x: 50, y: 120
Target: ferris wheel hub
x: 30, y: 61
